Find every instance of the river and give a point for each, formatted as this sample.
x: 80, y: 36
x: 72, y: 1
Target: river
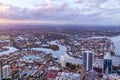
x: 116, y: 41
x: 63, y: 51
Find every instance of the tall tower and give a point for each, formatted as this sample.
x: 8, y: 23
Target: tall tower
x: 107, y: 63
x: 112, y: 47
x: 6, y: 72
x: 88, y: 57
x: 0, y: 70
x: 63, y: 64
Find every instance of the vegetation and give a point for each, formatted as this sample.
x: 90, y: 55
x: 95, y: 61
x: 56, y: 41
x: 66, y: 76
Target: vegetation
x: 73, y: 67
x: 53, y: 47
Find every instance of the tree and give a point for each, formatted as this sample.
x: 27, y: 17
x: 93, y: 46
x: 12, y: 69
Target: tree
x: 68, y: 64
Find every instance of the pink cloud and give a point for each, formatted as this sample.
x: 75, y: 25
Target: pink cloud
x: 62, y: 12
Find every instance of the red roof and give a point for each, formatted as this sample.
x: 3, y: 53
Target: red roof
x: 51, y: 74
x: 15, y: 69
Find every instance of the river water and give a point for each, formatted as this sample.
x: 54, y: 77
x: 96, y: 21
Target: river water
x: 116, y: 41
x: 115, y: 60
x: 63, y: 51
x: 11, y: 49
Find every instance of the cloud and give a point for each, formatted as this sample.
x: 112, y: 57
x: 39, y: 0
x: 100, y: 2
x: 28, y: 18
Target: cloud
x: 79, y: 1
x: 79, y: 11
x: 91, y: 1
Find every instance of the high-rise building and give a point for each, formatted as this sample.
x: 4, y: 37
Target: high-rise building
x: 6, y: 71
x: 0, y: 70
x: 112, y: 47
x: 63, y: 64
x: 107, y: 63
x: 88, y: 58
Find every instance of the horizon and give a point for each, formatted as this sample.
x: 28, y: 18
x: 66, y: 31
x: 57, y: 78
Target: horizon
x: 79, y: 12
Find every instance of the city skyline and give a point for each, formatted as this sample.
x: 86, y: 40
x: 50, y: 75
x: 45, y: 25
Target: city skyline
x: 85, y: 12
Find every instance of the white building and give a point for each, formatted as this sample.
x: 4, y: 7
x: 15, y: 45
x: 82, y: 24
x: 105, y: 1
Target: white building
x: 88, y: 58
x: 108, y: 56
x: 63, y: 64
x: 107, y: 63
x: 6, y: 71
x: 114, y: 77
x: 67, y: 76
x: 111, y: 77
x: 112, y: 47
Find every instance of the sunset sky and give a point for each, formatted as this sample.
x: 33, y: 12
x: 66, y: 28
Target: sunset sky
x: 87, y: 12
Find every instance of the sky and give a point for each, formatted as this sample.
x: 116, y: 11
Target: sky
x: 85, y: 12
